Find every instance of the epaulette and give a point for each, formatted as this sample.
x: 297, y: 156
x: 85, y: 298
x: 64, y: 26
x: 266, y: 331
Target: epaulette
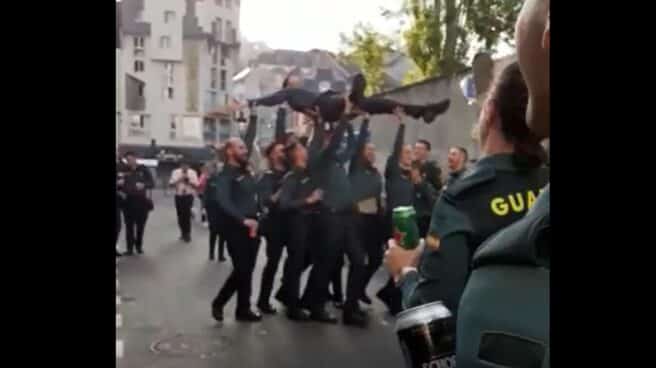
x: 471, y: 179
x: 287, y: 174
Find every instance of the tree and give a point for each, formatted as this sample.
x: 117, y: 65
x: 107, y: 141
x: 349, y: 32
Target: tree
x: 441, y: 31
x: 367, y: 48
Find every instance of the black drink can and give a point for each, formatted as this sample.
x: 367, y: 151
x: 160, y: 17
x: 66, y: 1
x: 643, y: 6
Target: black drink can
x: 427, y: 336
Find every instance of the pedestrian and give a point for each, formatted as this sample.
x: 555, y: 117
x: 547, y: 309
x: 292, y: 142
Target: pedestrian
x: 457, y: 163
x: 331, y: 106
x: 185, y: 181
x: 236, y: 194
x: 337, y: 233
x: 273, y: 224
x: 429, y: 169
x: 400, y: 192
x: 300, y: 201
x: 511, y: 270
x: 496, y: 192
x: 137, y: 180
x: 367, y: 186
x: 120, y: 198
x: 202, y: 184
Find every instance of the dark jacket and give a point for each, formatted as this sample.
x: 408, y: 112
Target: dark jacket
x: 425, y: 197
x: 327, y: 168
x: 298, y: 185
x: 366, y: 181
x: 433, y: 174
x: 140, y: 174
x: 298, y: 99
x: 399, y: 188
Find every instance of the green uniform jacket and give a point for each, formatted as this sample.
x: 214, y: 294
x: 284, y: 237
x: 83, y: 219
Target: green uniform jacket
x: 490, y: 196
x: 366, y: 181
x: 506, y: 302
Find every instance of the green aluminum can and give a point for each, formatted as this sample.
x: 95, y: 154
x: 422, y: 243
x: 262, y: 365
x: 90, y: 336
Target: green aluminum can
x: 406, y: 232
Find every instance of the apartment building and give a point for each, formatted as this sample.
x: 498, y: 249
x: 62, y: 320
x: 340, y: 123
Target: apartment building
x: 176, y: 61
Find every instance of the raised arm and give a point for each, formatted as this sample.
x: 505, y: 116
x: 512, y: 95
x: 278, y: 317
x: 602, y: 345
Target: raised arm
x: 336, y: 139
x: 393, y: 160
x: 314, y: 150
x: 251, y: 131
x: 359, y: 145
x: 222, y: 193
x: 281, y: 120
x: 347, y: 154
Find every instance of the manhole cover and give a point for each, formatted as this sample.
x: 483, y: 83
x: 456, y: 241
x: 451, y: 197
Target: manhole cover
x: 204, y: 347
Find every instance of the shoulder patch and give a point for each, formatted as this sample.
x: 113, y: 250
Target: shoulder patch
x: 471, y: 179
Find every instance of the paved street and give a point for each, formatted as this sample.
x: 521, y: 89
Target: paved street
x: 164, y: 306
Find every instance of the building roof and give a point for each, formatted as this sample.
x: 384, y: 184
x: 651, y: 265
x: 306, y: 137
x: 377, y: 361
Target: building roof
x: 130, y: 10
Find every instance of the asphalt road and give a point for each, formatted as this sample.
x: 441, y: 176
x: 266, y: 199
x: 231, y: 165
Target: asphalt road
x: 164, y: 306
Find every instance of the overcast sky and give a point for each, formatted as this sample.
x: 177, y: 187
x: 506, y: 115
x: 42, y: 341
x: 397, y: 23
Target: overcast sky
x: 307, y: 24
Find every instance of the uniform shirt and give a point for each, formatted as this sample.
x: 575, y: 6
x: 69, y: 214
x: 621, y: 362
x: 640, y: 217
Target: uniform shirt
x: 492, y: 195
x: 297, y: 185
x: 140, y: 174
x: 366, y: 181
x: 453, y: 177
x: 425, y: 197
x: 433, y: 174
x: 399, y: 188
x: 509, y: 269
x: 183, y: 187
x: 268, y: 185
x: 236, y: 193
x: 327, y: 168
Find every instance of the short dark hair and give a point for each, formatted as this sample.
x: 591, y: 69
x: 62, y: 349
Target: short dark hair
x: 463, y: 150
x: 425, y: 143
x: 269, y: 148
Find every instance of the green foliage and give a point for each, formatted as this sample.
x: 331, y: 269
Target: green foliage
x: 441, y: 31
x: 367, y: 48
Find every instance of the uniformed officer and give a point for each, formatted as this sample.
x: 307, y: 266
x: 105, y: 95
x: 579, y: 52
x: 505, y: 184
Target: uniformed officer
x: 274, y: 226
x: 236, y: 194
x: 136, y: 206
x: 425, y: 196
x: 429, y: 169
x: 336, y: 233
x: 457, y: 163
x: 511, y: 269
x: 300, y: 201
x: 493, y: 194
x: 400, y: 192
x: 213, y: 211
x: 366, y: 186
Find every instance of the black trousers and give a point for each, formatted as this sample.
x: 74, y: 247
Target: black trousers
x: 389, y: 291
x: 243, y: 250
x: 135, y: 214
x: 118, y: 225
x: 372, y: 240
x: 300, y: 239
x: 183, y: 205
x: 332, y: 106
x: 275, y: 243
x: 213, y: 218
x: 337, y: 237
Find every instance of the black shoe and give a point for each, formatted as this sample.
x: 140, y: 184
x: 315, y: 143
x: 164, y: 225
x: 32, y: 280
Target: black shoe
x: 280, y: 298
x: 128, y: 253
x: 297, y: 314
x: 211, y: 257
x: 323, y: 316
x: 358, y: 86
x: 365, y: 299
x: 248, y: 316
x: 434, y: 110
x: 355, y: 318
x: 118, y: 254
x: 222, y: 259
x: 140, y: 251
x: 338, y: 304
x: 266, y: 308
x: 217, y: 313
x: 392, y: 302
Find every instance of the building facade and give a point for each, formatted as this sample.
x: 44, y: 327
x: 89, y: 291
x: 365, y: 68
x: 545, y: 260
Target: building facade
x: 176, y: 64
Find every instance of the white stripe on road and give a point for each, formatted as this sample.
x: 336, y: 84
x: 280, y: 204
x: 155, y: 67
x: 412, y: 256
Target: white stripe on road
x: 118, y: 300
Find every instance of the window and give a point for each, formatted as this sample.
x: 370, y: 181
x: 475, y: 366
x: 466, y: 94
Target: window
x: 228, y: 29
x: 214, y: 51
x: 164, y: 42
x: 218, y: 2
x: 174, y: 126
x: 218, y: 31
x: 213, y: 78
x: 228, y: 4
x: 169, y: 93
x: 140, y: 90
x: 169, y: 16
x: 139, y: 43
x: 169, y: 74
x: 223, y: 79
x: 227, y: 100
x: 138, y: 66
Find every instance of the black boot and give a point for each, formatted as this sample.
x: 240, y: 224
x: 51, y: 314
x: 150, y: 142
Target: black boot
x: 298, y: 315
x: 434, y: 110
x: 323, y: 316
x: 266, y: 308
x: 217, y: 313
x: 248, y: 316
x: 353, y: 317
